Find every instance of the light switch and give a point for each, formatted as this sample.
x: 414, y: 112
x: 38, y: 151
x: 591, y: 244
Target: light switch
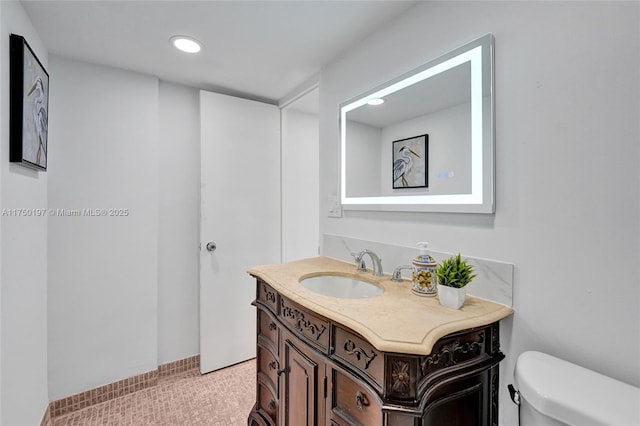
x: 335, y: 208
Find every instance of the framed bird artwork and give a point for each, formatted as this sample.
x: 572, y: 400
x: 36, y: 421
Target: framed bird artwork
x: 28, y: 106
x: 411, y: 162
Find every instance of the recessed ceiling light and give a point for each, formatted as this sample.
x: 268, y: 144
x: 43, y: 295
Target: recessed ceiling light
x: 186, y: 44
x: 378, y: 101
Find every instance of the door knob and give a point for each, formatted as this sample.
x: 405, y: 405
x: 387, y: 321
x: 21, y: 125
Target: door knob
x: 211, y: 246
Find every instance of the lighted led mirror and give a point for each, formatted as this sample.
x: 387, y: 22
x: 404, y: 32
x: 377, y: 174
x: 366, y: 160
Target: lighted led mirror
x: 430, y: 145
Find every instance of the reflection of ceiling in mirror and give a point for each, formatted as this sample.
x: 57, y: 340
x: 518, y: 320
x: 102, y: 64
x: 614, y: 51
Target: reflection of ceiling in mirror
x: 439, y: 92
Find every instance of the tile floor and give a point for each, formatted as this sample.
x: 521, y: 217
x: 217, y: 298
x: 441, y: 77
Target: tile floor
x: 221, y: 398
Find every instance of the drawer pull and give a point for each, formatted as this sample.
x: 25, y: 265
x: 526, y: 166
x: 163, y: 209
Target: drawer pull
x: 280, y: 371
x: 360, y: 401
x: 273, y: 365
x: 272, y: 326
x: 272, y: 405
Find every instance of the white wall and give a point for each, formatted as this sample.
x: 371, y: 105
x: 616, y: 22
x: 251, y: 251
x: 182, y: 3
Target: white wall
x: 567, y: 161
x: 178, y: 235
x: 23, y: 260
x: 103, y: 270
x: 300, y: 182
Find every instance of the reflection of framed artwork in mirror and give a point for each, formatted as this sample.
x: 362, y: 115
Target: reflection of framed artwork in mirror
x: 411, y: 162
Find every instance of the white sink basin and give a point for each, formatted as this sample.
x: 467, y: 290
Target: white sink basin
x: 339, y: 286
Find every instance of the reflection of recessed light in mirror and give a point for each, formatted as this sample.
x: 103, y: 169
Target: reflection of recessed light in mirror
x: 374, y: 102
x: 186, y: 44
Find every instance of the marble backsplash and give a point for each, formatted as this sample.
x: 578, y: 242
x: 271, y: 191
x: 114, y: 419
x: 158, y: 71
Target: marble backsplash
x: 494, y: 279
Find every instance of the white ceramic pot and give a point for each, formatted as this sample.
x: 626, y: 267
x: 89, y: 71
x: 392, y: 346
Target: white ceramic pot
x: 451, y: 297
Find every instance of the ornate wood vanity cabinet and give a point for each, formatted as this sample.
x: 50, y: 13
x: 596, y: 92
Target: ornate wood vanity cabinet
x: 314, y: 371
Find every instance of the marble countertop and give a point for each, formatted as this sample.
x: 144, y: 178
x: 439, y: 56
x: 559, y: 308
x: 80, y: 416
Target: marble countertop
x: 395, y: 321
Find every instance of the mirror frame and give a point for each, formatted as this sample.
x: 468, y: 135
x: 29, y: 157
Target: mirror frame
x: 480, y: 54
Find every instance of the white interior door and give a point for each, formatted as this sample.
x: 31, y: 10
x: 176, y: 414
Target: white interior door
x: 240, y: 213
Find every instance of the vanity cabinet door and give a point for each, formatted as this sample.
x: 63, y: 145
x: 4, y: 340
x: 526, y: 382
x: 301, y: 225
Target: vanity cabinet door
x: 302, y: 386
x: 471, y: 401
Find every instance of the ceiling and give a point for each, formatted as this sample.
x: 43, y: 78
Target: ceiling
x: 261, y: 50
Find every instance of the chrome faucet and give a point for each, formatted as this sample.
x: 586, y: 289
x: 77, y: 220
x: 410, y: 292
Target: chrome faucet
x: 377, y: 262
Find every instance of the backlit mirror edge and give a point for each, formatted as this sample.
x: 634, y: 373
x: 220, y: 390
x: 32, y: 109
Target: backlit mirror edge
x: 463, y: 203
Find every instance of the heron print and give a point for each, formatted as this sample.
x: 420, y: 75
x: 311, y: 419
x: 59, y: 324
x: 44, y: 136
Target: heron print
x: 35, y: 122
x: 410, y: 162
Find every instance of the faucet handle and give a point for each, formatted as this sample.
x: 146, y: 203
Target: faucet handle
x: 397, y: 273
x: 359, y: 255
x: 359, y: 259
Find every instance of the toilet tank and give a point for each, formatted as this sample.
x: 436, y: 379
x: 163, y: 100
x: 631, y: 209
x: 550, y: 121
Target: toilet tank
x: 554, y: 392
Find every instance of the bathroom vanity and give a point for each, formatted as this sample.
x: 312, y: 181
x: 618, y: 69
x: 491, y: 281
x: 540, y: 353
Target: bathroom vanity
x: 394, y: 359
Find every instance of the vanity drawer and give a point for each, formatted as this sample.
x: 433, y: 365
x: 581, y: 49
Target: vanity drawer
x: 355, y: 351
x: 267, y: 295
x: 267, y: 367
x: 311, y: 327
x: 268, y: 330
x: 354, y: 403
x: 267, y: 402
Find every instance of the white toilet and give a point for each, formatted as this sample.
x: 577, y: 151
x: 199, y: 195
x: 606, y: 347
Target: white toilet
x: 554, y: 392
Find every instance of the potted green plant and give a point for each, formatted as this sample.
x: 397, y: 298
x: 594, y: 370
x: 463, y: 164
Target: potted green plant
x: 453, y: 275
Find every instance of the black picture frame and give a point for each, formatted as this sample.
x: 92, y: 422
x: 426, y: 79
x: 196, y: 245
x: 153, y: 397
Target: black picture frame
x: 410, y: 162
x: 28, y: 106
